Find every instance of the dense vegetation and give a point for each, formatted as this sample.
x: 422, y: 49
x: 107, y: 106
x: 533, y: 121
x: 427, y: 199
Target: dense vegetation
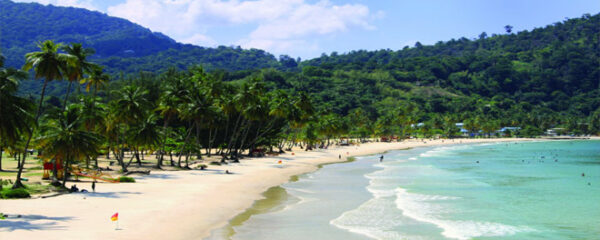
x: 120, y: 45
x: 546, y: 78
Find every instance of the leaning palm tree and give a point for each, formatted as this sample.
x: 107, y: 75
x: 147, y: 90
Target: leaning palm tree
x: 79, y: 67
x: 65, y: 138
x: 15, y: 111
x: 50, y: 65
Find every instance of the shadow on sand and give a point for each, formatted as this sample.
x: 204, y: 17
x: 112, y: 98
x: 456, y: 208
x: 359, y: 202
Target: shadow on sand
x: 28, y: 222
x: 106, y: 194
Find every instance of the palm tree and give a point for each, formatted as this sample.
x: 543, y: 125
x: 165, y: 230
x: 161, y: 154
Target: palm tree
x: 15, y: 111
x: 128, y: 109
x: 80, y: 65
x: 50, y: 65
x: 93, y: 115
x: 65, y: 138
x: 145, y: 135
x: 168, y: 108
x: 96, y: 80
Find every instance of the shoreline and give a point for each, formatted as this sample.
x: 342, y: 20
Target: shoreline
x: 178, y: 204
x: 273, y: 194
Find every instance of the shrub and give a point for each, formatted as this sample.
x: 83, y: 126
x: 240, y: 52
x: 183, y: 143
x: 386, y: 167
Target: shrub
x: 202, y: 166
x: 126, y: 179
x: 15, y: 193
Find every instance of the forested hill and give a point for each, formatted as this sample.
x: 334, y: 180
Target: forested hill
x: 556, y: 68
x: 120, y: 45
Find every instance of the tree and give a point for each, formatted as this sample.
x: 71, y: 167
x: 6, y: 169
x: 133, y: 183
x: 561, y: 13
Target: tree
x: 127, y: 110
x: 79, y: 66
x: 65, y: 138
x: 15, y: 111
x: 96, y: 80
x: 594, y: 122
x: 508, y: 28
x: 50, y: 65
x: 144, y: 135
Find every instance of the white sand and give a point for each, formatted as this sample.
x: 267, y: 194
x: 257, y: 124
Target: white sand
x: 172, y: 205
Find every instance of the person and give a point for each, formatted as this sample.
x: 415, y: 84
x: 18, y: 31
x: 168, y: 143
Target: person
x: 340, y: 156
x: 381, y: 158
x: 94, y: 186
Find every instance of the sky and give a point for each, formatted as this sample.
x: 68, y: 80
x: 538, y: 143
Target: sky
x: 308, y: 28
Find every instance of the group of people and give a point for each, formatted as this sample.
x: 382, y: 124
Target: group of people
x: 74, y: 188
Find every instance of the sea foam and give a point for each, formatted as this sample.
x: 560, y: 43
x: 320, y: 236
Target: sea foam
x: 422, y: 207
x: 372, y: 219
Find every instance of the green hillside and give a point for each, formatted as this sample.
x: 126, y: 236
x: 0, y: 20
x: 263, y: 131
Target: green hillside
x: 546, y: 77
x: 120, y: 45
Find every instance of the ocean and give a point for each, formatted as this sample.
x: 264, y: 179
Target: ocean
x: 516, y: 190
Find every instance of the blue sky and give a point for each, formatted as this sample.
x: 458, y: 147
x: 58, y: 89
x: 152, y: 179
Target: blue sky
x: 307, y: 28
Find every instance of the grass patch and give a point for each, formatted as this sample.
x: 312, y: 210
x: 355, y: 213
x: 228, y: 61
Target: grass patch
x: 8, y: 193
x: 35, y: 168
x: 126, y: 179
x: 39, y: 188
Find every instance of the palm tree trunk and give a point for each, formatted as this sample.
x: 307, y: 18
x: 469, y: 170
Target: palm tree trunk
x: 1, y: 149
x: 233, y: 134
x: 163, y: 143
x: 120, y: 156
x: 241, y: 148
x: 187, y: 137
x: 21, y: 162
x: 199, y: 153
x: 55, y: 172
x: 209, y: 143
x: 65, y: 170
x: 67, y: 96
x: 137, y: 157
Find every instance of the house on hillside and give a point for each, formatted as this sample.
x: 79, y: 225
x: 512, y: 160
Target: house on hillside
x: 463, y: 132
x: 507, y: 131
x: 553, y: 132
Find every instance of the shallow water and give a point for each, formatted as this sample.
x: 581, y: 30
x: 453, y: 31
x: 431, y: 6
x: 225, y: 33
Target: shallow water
x: 531, y: 190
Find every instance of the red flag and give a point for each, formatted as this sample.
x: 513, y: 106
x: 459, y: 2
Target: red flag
x: 114, y: 217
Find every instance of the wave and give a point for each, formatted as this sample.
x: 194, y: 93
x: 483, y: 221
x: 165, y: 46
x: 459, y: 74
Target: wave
x: 422, y: 207
x: 372, y: 219
x: 440, y: 151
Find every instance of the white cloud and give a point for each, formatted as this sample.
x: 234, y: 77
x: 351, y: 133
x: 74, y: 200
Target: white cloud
x: 278, y: 25
x: 200, y: 40
x: 87, y: 4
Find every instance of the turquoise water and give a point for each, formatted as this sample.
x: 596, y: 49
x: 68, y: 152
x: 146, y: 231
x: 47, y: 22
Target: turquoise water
x: 526, y: 190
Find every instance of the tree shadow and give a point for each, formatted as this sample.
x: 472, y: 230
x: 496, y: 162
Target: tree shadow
x: 158, y: 176
x: 106, y: 194
x: 27, y: 222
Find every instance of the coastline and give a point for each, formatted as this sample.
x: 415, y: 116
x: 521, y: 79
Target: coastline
x: 178, y: 204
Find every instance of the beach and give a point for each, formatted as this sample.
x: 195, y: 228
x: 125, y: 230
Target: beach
x: 176, y: 204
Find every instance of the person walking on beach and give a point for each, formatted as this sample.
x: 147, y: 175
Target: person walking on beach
x: 340, y: 156
x: 94, y: 186
x: 381, y: 158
